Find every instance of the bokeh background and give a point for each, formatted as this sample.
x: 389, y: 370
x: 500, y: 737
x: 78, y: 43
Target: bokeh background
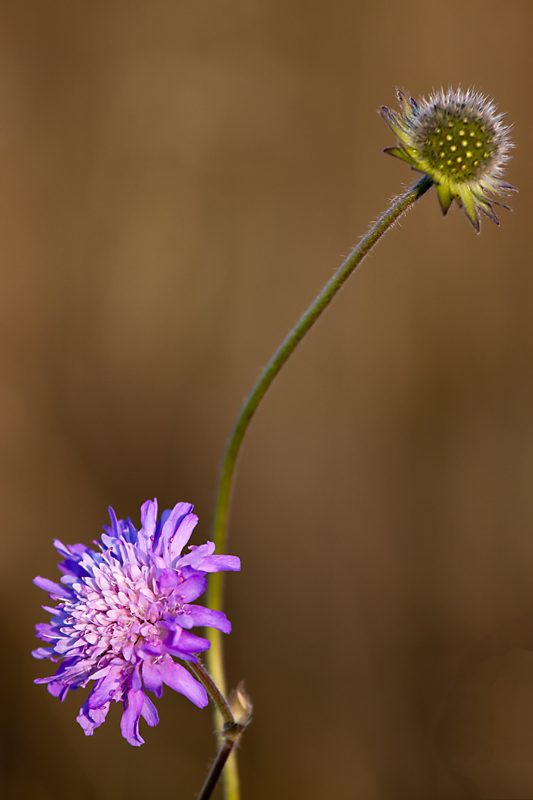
x: 178, y: 180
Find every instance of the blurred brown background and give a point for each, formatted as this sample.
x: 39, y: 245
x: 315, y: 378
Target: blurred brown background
x: 178, y: 180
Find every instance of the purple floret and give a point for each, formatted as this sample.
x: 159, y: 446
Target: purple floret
x: 125, y: 612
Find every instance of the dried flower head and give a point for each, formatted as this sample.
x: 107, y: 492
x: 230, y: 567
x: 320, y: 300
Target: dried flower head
x: 124, y: 612
x: 459, y: 140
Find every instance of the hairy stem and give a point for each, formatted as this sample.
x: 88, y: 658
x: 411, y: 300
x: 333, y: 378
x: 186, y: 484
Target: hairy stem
x: 215, y: 655
x: 218, y: 698
x: 228, y: 737
x: 216, y: 769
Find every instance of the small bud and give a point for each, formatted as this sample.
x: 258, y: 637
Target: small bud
x: 241, y: 708
x: 241, y: 705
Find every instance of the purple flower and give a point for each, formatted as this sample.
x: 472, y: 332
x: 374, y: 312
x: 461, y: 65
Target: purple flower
x: 124, y: 612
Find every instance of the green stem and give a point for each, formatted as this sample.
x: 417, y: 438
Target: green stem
x: 218, y: 698
x: 215, y: 655
x: 228, y: 737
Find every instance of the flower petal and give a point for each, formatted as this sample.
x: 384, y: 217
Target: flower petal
x: 179, y: 679
x: 108, y: 688
x: 129, y: 724
x: 191, y: 589
x: 149, y: 712
x: 171, y: 526
x: 91, y: 718
x: 152, y: 678
x: 148, y: 522
x: 168, y: 578
x: 208, y: 618
x: 42, y: 652
x: 220, y: 563
x: 54, y: 589
x: 187, y: 645
x: 196, y: 555
x: 182, y: 535
x: 58, y: 689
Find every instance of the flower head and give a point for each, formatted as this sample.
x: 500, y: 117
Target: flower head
x: 459, y: 140
x: 124, y: 612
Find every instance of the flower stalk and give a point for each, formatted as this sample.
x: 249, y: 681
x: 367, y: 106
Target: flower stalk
x: 234, y: 725
x: 215, y: 771
x: 125, y: 611
x: 383, y: 224
x: 231, y: 732
x: 230, y: 738
x: 203, y: 676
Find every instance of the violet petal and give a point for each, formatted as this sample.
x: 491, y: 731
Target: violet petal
x: 53, y: 588
x: 208, y: 618
x: 179, y: 679
x: 129, y: 724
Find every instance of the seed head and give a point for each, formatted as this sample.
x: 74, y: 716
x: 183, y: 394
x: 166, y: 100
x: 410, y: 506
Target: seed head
x: 459, y: 140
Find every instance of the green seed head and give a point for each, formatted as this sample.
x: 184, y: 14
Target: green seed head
x: 456, y: 138
x: 459, y: 140
x: 457, y: 145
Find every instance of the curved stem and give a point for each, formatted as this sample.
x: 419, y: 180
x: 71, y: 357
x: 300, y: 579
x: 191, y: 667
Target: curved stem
x: 398, y: 207
x: 218, y: 698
